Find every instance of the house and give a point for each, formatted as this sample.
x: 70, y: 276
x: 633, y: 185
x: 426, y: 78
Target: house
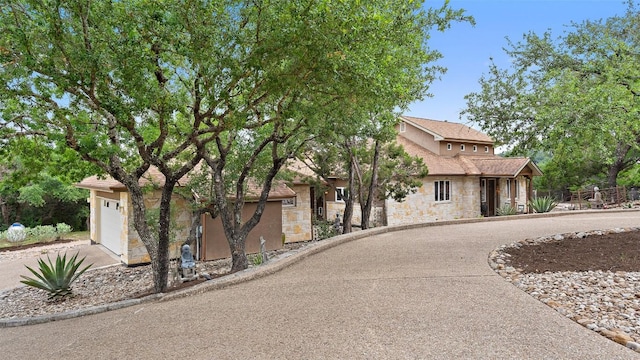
x: 466, y: 179
x: 111, y: 219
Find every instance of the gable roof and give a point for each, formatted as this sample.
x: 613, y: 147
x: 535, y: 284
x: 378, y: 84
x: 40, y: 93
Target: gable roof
x: 500, y: 166
x: 448, y: 131
x: 109, y: 184
x: 279, y: 190
x: 494, y: 166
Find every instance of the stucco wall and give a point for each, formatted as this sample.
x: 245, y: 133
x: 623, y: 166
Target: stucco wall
x: 270, y: 227
x: 422, y: 207
x: 296, y: 220
x: 421, y: 138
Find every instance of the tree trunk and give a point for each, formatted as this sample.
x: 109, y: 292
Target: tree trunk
x: 348, y: 208
x: 239, y: 259
x: 373, y: 185
x: 4, y: 209
x: 151, y: 242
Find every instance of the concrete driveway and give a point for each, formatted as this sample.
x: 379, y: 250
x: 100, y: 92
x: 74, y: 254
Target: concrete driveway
x: 425, y: 293
x: 11, y: 269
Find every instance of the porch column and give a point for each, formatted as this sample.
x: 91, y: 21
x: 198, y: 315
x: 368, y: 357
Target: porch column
x: 512, y: 188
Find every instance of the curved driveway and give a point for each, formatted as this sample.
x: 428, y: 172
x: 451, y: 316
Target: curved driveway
x: 425, y: 293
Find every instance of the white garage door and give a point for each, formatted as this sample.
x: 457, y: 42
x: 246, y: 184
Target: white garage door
x: 110, y: 225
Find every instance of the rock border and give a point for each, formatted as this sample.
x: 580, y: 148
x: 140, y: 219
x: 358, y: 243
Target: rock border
x: 499, y: 261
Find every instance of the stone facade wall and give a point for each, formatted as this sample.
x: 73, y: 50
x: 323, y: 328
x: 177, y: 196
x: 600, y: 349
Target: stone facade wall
x: 337, y: 207
x: 296, y: 220
x: 181, y: 218
x: 421, y: 207
x: 521, y: 197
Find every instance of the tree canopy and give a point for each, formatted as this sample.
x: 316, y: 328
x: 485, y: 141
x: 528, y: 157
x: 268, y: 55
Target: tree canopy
x: 236, y: 85
x: 575, y: 97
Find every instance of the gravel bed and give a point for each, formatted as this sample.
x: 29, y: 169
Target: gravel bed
x: 100, y: 286
x: 603, y: 301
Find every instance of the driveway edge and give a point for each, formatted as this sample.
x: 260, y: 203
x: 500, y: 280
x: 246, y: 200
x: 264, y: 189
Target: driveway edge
x: 277, y: 264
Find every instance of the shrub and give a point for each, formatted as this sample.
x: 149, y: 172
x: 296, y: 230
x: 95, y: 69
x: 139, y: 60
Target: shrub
x: 324, y: 229
x: 62, y: 228
x: 543, y: 204
x: 56, y: 279
x: 42, y: 232
x: 507, y: 210
x: 255, y: 259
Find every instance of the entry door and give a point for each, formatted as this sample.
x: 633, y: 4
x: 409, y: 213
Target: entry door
x: 491, y: 197
x: 110, y: 225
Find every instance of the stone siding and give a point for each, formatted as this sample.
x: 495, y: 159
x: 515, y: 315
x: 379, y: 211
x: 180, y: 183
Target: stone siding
x: 296, y: 220
x: 421, y: 207
x: 181, y: 218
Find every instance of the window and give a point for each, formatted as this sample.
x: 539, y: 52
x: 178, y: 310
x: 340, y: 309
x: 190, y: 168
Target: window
x: 341, y: 194
x: 289, y: 202
x: 516, y: 187
x: 449, y: 146
x: 461, y: 147
x: 486, y: 149
x: 483, y: 190
x: 403, y: 127
x: 475, y: 148
x: 442, y: 190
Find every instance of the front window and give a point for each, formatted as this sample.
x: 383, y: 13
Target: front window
x: 483, y: 190
x: 341, y: 194
x: 442, y: 190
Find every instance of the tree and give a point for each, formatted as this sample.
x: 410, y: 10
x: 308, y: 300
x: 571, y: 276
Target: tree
x: 36, y: 183
x: 239, y: 85
x: 576, y: 97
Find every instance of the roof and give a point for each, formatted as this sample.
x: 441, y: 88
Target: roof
x: 279, y: 190
x: 495, y: 166
x: 449, y: 131
x: 109, y: 184
x: 501, y: 166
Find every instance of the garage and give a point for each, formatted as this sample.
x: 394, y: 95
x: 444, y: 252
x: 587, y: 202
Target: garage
x: 110, y: 225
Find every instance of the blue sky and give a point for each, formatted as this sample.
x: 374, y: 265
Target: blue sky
x: 467, y: 49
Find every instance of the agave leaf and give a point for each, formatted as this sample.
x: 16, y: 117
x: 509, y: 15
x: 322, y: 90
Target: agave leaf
x: 56, y: 279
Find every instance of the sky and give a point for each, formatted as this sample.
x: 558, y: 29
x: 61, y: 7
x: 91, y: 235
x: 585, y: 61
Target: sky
x: 467, y: 49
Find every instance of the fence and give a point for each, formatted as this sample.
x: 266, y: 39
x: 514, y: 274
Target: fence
x: 614, y: 196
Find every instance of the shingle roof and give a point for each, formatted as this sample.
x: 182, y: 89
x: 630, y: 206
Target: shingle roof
x: 468, y: 165
x: 499, y: 166
x: 109, y: 184
x: 437, y: 165
x: 449, y: 130
x: 279, y: 190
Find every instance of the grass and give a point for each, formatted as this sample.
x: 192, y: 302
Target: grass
x: 76, y: 235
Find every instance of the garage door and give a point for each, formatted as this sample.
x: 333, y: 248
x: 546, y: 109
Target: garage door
x: 110, y: 225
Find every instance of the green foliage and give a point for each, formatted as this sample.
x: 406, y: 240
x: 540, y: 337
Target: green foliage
x: 56, y: 279
x: 542, y: 204
x: 62, y: 228
x: 574, y: 97
x: 255, y: 259
x: 168, y: 84
x: 400, y: 173
x: 505, y: 210
x: 324, y: 229
x: 41, y: 233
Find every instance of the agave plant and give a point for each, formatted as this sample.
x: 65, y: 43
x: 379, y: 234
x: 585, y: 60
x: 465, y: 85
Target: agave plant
x: 543, y: 204
x: 56, y: 279
x: 506, y: 210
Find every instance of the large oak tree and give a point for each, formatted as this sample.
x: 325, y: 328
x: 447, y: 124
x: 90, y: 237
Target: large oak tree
x: 576, y: 97
x: 236, y: 85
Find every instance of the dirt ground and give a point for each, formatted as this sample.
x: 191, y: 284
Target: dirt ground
x: 611, y: 252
